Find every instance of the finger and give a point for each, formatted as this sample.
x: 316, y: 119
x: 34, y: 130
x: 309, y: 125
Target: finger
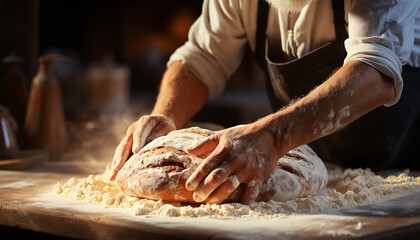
x: 116, y: 160
x: 252, y: 190
x: 205, y: 167
x: 163, y: 126
x: 205, y: 146
x: 216, y: 178
x: 225, y: 190
x: 142, y: 131
x: 121, y: 156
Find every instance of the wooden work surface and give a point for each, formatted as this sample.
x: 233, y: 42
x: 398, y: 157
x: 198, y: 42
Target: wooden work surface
x: 27, y: 201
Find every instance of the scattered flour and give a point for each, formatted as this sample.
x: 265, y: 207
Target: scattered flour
x: 338, y: 233
x: 19, y: 184
x: 346, y: 189
x: 359, y: 226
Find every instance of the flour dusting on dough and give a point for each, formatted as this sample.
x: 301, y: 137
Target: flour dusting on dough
x: 161, y: 168
x: 346, y: 189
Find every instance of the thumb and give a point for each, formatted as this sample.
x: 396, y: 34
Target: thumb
x: 204, y: 146
x: 141, y: 133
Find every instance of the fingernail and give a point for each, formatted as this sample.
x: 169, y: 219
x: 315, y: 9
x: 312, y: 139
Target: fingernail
x: 136, y: 149
x: 196, y: 198
x: 213, y: 201
x: 191, y: 186
x: 199, y: 195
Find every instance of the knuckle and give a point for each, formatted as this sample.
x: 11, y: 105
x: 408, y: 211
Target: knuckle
x: 215, y: 177
x: 153, y: 119
x: 211, y: 181
x: 204, y: 170
x: 131, y: 128
x: 235, y: 163
x: 144, y: 118
x: 147, y: 120
x: 225, y: 145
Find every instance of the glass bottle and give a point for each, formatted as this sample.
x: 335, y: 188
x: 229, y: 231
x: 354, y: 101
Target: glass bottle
x: 8, y: 141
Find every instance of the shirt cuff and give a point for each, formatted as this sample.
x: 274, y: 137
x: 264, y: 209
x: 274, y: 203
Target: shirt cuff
x: 381, y: 58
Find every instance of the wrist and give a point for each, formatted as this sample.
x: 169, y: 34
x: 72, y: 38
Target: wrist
x: 277, y: 126
x: 169, y: 117
x: 166, y: 111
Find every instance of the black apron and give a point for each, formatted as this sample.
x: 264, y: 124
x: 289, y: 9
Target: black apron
x: 376, y: 140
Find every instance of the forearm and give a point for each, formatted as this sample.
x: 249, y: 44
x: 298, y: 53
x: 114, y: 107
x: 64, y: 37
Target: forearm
x: 181, y: 94
x: 354, y: 90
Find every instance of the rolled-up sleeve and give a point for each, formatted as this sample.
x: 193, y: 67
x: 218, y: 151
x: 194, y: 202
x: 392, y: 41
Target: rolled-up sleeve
x: 381, y: 34
x: 215, y: 45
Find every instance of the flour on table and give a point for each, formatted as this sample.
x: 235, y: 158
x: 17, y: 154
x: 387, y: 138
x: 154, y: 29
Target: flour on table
x: 346, y: 189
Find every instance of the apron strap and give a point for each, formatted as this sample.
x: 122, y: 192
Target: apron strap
x: 262, y: 18
x: 259, y: 54
x: 339, y: 20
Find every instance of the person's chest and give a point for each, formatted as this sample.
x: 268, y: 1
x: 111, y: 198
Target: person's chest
x: 292, y: 35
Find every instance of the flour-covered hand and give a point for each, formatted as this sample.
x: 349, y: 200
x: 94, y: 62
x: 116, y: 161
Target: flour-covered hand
x: 244, y: 154
x: 138, y: 134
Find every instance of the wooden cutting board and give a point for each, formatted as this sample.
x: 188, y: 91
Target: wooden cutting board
x: 27, y: 201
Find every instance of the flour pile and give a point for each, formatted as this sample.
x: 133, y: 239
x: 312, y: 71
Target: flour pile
x: 346, y: 189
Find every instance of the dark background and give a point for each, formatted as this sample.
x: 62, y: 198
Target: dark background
x: 138, y: 35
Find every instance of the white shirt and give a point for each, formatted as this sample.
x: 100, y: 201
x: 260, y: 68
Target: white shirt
x: 382, y: 33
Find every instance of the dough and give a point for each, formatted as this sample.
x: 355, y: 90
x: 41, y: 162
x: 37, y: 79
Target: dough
x: 159, y: 171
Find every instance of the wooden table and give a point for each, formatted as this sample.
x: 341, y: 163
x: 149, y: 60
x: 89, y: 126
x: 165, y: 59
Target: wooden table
x: 27, y: 202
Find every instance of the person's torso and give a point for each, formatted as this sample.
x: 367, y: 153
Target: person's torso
x: 292, y: 35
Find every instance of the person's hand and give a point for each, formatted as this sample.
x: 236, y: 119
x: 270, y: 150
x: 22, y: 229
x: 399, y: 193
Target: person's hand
x: 244, y: 154
x: 139, y: 134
